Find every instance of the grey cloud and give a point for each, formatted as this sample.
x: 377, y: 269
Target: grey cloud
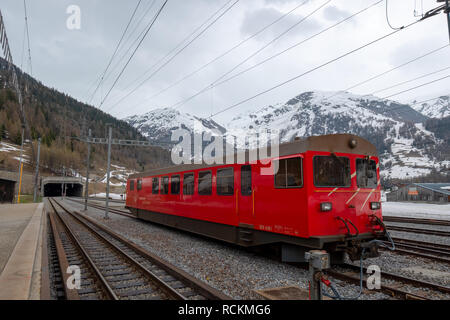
x: 255, y: 20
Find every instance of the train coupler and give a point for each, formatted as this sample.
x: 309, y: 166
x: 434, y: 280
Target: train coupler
x: 362, y: 249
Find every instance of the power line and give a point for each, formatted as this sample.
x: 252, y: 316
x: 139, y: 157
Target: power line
x: 314, y: 69
x: 28, y: 37
x: 131, y: 46
x: 176, y: 54
x: 408, y: 81
x: 115, y: 51
x: 390, y: 70
x: 134, y: 52
x: 387, y: 19
x: 274, y: 56
x: 427, y: 100
x: 228, y: 51
x: 419, y: 86
x: 179, y: 44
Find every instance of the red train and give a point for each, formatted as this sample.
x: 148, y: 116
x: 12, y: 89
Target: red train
x: 325, y: 195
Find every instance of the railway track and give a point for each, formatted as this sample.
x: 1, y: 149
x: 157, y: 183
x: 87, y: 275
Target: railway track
x: 400, y: 288
x: 111, y: 210
x: 417, y: 220
x: 419, y: 230
x: 113, y: 267
x: 428, y: 250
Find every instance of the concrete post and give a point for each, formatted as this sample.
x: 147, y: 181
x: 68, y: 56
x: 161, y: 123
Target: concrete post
x: 88, y: 164
x: 108, y: 172
x: 36, y: 173
x: 319, y: 260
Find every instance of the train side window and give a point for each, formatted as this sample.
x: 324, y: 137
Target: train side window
x: 155, y: 185
x: 225, y: 182
x: 175, y: 184
x: 205, y: 183
x: 289, y: 173
x: 331, y: 171
x: 246, y: 180
x: 139, y: 184
x: 188, y: 184
x: 366, y: 173
x: 165, y: 185
x: 131, y: 185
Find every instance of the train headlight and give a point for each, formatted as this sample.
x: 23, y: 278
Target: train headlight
x: 375, y: 205
x: 325, y: 206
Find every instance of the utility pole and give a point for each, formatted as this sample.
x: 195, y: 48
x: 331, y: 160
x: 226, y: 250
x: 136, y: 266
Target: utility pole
x: 36, y: 173
x: 446, y: 8
x: 108, y: 171
x: 88, y: 164
x: 20, y: 166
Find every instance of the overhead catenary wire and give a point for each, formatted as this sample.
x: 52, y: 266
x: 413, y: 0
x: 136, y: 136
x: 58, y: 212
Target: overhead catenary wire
x: 132, y: 45
x: 180, y: 43
x: 391, y: 69
x: 115, y: 50
x: 416, y: 87
x: 314, y: 69
x: 176, y: 53
x: 427, y: 100
x: 227, y: 51
x: 274, y: 56
x: 387, y: 19
x: 28, y: 38
x: 408, y: 81
x: 134, y: 52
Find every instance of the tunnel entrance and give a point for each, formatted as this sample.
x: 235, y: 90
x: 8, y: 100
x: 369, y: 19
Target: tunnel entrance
x: 55, y: 189
x: 7, y: 188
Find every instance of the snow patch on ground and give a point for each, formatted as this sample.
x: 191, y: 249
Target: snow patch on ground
x: 416, y: 210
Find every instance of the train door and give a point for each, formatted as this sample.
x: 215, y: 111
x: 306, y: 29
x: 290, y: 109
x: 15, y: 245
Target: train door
x: 245, y: 196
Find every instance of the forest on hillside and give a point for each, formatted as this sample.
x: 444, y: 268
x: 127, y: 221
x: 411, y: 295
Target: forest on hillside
x: 59, y: 120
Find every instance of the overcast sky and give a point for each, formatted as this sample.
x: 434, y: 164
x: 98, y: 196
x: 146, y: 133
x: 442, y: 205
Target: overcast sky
x: 72, y: 60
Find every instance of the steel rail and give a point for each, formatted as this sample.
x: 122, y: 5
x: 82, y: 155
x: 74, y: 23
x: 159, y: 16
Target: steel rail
x: 416, y: 220
x: 399, y: 278
x: 188, y: 280
x: 419, y: 230
x: 98, y: 275
x: 169, y: 291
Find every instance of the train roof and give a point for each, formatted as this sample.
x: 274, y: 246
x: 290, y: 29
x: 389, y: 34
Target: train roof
x: 338, y: 143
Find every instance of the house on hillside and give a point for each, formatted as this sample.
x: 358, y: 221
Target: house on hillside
x: 427, y: 192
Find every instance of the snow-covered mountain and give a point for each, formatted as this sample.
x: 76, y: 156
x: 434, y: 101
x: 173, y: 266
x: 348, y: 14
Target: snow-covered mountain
x: 407, y: 149
x: 436, y: 108
x: 157, y: 125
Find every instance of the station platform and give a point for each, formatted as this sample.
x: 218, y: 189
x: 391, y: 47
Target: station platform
x: 21, y: 237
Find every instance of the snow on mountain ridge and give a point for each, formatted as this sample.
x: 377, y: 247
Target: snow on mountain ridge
x: 436, y: 108
x: 405, y: 146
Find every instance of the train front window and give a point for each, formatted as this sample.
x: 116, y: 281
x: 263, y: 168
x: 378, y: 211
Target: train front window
x: 139, y: 184
x: 366, y: 173
x: 225, y: 182
x: 188, y: 184
x: 131, y: 185
x: 165, y: 185
x: 155, y: 185
x: 175, y: 184
x: 331, y: 171
x: 289, y: 173
x: 205, y: 183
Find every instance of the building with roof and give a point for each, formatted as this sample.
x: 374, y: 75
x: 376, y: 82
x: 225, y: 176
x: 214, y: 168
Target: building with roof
x: 425, y: 192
